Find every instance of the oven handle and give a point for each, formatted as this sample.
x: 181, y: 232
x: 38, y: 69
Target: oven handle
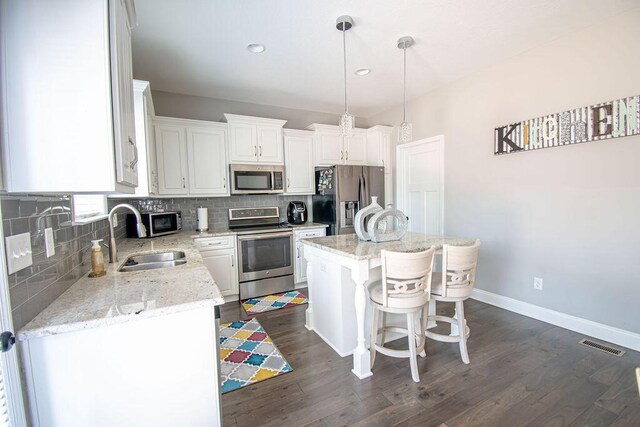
x: 265, y: 236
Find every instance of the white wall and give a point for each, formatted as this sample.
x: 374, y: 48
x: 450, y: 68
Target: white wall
x: 570, y: 215
x: 202, y: 108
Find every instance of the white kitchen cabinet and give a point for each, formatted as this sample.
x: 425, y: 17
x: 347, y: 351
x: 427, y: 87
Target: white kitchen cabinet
x: 151, y: 371
x: 67, y: 96
x: 255, y: 139
x: 379, y: 146
x: 192, y: 157
x: 145, y: 140
x: 300, y: 268
x: 219, y: 256
x: 298, y: 160
x: 355, y: 148
x: 171, y: 150
x: 206, y: 148
x: 332, y: 149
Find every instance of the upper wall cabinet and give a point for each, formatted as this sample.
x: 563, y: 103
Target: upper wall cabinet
x: 67, y: 96
x: 145, y: 140
x: 192, y: 157
x: 332, y: 149
x: 255, y: 139
x: 379, y: 146
x: 298, y: 160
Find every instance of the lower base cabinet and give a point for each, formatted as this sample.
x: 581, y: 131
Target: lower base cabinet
x: 300, y: 269
x: 150, y: 371
x: 219, y: 256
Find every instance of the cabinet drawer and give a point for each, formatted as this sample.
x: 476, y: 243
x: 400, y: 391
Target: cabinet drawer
x: 310, y: 232
x: 213, y: 243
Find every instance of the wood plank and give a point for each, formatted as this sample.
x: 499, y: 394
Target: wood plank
x: 522, y: 371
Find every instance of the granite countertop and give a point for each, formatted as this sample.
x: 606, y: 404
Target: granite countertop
x: 350, y: 246
x: 120, y: 297
x: 223, y: 231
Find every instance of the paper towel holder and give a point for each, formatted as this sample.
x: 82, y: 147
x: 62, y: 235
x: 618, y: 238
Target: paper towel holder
x: 202, y: 219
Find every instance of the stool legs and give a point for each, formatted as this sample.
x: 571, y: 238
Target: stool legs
x: 462, y: 331
x: 423, y: 329
x: 413, y: 358
x: 374, y: 333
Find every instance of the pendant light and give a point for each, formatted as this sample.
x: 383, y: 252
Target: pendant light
x: 404, y: 132
x: 347, y: 121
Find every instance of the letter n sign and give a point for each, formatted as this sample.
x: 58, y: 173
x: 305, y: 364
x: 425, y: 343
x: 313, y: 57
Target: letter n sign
x: 597, y: 122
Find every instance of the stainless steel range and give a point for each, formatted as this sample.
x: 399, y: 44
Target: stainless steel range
x: 265, y: 251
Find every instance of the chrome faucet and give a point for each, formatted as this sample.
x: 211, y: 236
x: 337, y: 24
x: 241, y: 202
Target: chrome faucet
x: 142, y: 231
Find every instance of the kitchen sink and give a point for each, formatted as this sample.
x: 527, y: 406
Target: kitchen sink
x: 153, y: 260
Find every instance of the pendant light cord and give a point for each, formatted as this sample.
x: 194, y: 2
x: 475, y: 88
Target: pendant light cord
x: 344, y: 58
x: 404, y: 89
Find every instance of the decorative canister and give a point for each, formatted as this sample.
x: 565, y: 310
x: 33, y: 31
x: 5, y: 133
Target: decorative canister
x: 361, y: 218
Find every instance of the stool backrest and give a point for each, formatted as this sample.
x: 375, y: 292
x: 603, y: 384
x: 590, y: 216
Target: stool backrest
x: 407, y: 274
x: 459, y: 270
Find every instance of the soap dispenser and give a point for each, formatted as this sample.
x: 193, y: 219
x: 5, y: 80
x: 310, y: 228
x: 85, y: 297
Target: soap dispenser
x: 97, y: 259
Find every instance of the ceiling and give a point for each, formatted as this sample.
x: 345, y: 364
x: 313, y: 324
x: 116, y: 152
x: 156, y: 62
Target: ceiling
x: 198, y: 47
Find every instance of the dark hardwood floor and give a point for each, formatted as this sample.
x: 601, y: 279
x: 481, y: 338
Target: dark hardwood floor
x: 523, y: 372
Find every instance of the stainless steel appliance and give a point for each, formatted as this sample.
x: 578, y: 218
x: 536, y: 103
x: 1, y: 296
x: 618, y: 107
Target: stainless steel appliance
x: 297, y: 213
x: 257, y: 179
x: 156, y: 223
x: 341, y: 191
x: 265, y: 251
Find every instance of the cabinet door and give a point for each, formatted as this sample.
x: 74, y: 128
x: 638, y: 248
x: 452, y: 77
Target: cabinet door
x: 171, y: 151
x: 374, y: 149
x: 299, y: 165
x: 207, y: 161
x: 243, y: 143
x: 223, y: 268
x: 270, y: 144
x: 122, y: 91
x: 356, y: 149
x: 301, y: 264
x: 329, y: 149
x: 152, y: 162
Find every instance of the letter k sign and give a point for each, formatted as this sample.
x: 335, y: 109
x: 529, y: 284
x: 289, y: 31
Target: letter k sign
x: 503, y: 138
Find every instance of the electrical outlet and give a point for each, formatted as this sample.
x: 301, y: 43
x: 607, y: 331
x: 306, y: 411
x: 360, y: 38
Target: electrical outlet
x: 537, y: 283
x: 18, y: 250
x: 49, y: 242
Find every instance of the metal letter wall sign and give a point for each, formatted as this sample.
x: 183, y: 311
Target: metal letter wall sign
x: 607, y: 120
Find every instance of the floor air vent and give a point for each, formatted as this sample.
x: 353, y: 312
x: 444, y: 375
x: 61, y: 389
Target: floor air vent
x: 602, y: 347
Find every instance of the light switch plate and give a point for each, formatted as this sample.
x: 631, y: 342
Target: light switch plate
x: 18, y: 252
x: 49, y: 242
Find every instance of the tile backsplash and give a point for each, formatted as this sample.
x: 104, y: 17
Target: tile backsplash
x: 218, y: 207
x: 34, y: 288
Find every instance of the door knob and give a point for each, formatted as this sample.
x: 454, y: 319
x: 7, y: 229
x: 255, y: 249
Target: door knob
x: 7, y: 340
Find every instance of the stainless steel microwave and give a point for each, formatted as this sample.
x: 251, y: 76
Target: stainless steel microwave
x: 157, y: 223
x: 257, y: 179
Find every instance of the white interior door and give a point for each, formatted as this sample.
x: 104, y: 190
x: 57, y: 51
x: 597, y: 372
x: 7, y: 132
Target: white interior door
x: 11, y: 404
x: 420, y: 169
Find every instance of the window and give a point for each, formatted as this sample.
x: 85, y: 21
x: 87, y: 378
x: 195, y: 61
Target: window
x: 88, y: 208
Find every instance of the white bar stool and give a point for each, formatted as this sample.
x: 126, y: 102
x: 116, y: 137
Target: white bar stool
x: 405, y: 289
x: 458, y: 276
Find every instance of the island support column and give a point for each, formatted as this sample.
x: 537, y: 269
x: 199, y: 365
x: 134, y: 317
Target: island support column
x: 361, y: 356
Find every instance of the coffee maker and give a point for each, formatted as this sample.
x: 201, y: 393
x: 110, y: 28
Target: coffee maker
x: 297, y: 213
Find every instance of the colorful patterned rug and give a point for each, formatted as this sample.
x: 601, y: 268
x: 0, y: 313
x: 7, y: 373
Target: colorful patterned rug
x: 247, y: 355
x: 273, y: 302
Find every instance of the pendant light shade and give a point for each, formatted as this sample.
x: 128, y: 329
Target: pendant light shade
x: 347, y: 122
x: 405, y: 129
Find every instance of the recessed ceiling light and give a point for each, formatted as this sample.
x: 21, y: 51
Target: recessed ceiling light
x: 255, y: 48
x: 362, y: 71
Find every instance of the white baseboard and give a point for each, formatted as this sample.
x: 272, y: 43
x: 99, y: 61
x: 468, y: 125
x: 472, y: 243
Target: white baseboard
x: 577, y: 324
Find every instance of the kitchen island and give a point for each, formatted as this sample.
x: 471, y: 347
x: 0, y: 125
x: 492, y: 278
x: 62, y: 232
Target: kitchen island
x: 128, y: 348
x: 338, y: 270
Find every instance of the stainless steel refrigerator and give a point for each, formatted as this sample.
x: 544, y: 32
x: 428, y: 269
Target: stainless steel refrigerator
x: 341, y: 191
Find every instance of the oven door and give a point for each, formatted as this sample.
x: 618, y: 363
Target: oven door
x: 261, y: 256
